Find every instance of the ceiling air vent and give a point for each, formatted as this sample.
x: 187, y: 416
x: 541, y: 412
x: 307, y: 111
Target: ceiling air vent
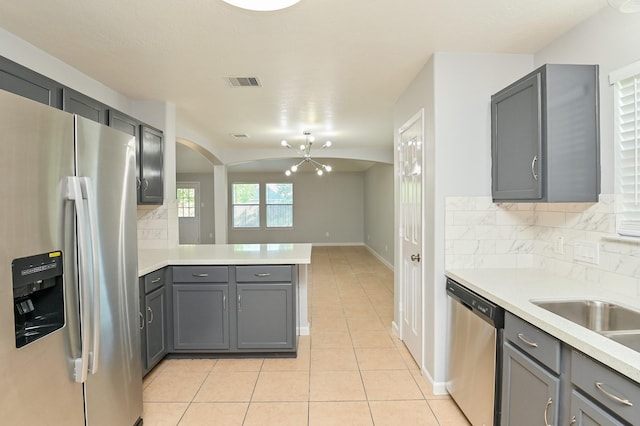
x: 240, y: 135
x: 244, y: 81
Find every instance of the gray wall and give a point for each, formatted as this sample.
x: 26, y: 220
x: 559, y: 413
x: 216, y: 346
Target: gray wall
x: 332, y: 203
x: 207, y: 232
x: 379, y: 210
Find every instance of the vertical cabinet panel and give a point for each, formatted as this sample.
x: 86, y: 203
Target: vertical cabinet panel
x: 130, y: 126
x: 200, y: 316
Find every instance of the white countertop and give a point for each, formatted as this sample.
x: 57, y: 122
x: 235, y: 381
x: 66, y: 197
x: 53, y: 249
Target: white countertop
x: 514, y: 288
x: 224, y: 254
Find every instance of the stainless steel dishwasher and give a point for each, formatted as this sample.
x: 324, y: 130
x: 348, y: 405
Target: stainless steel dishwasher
x: 475, y: 354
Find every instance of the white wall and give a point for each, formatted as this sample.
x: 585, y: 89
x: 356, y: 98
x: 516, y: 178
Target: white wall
x: 332, y: 203
x: 612, y: 40
x: 379, y: 211
x: 455, y: 91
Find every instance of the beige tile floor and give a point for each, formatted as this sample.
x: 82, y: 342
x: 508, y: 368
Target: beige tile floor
x: 351, y: 371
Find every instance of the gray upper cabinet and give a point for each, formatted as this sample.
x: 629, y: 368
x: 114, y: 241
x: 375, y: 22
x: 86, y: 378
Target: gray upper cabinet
x: 22, y: 81
x: 130, y: 126
x: 151, y: 166
x: 77, y: 103
x: 545, y: 136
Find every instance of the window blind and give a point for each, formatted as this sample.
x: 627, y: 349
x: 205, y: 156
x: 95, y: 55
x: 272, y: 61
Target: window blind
x: 627, y: 93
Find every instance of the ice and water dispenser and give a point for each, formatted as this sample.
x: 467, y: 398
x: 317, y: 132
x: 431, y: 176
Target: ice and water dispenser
x: 38, y: 296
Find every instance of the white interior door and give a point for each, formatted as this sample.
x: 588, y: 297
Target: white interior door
x: 188, y: 196
x: 411, y: 137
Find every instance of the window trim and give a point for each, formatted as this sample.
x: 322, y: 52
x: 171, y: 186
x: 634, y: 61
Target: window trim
x: 259, y: 205
x: 628, y: 218
x: 267, y: 204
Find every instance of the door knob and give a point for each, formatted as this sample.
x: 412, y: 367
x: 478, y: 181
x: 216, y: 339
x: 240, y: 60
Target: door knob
x: 415, y: 257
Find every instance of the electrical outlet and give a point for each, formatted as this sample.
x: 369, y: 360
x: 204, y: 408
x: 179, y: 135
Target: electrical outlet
x: 558, y: 245
x: 586, y: 251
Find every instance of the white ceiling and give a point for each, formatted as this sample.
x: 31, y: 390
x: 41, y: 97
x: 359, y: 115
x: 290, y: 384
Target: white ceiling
x: 334, y: 67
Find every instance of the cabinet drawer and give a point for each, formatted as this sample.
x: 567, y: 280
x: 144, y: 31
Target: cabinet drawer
x: 611, y: 389
x: 264, y: 273
x: 200, y: 274
x: 154, y: 280
x: 533, y: 341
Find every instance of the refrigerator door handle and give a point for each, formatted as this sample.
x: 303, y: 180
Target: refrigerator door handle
x: 80, y: 365
x: 95, y: 282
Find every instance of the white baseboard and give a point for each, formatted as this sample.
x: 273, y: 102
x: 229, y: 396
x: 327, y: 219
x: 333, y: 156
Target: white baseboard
x: 304, y: 331
x: 438, y: 388
x: 337, y: 244
x: 380, y: 258
x: 395, y: 329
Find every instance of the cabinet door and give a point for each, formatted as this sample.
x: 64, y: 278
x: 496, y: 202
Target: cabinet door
x: 130, y: 126
x: 151, y: 166
x: 586, y: 413
x: 200, y: 317
x: 516, y: 141
x: 77, y: 103
x: 22, y: 81
x: 529, y: 392
x: 265, y: 316
x: 156, y: 306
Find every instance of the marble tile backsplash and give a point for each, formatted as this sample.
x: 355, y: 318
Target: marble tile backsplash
x: 482, y: 234
x: 154, y: 225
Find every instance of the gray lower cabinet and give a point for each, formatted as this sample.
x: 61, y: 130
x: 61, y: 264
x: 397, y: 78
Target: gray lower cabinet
x: 234, y: 309
x: 602, y: 396
x: 153, y: 319
x: 200, y: 317
x: 545, y: 136
x: 265, y: 316
x: 530, y: 375
x: 530, y: 392
x: 584, y: 412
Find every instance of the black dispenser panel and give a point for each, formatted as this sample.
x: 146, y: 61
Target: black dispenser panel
x: 38, y: 296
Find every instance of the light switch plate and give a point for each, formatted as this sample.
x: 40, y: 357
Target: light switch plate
x: 586, y: 251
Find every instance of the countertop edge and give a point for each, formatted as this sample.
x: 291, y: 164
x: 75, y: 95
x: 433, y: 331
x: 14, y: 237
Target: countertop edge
x: 513, y: 289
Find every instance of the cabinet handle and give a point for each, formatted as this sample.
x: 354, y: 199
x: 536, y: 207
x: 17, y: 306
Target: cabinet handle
x: 138, y: 183
x: 200, y: 275
x: 533, y: 164
x: 263, y: 274
x: 224, y: 302
x: 141, y: 320
x: 572, y: 421
x: 616, y: 398
x: 239, y: 302
x: 546, y: 411
x: 146, y: 184
x: 149, y: 310
x: 156, y: 280
x: 528, y: 342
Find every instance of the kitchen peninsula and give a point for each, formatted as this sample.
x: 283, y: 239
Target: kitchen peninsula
x: 150, y: 260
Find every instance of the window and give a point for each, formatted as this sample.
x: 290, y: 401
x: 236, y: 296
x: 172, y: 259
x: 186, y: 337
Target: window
x: 246, y: 205
x: 279, y: 200
x: 627, y: 135
x: 186, y: 202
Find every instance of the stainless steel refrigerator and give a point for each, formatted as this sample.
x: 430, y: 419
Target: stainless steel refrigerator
x: 69, y: 338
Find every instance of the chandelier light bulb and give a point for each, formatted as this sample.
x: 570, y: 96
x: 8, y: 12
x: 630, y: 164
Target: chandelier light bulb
x: 311, y: 138
x: 319, y: 171
x: 288, y: 173
x: 303, y: 147
x: 284, y: 143
x: 327, y: 144
x: 294, y: 168
x: 327, y: 168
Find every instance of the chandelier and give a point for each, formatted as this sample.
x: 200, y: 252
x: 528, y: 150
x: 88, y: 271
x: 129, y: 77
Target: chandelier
x: 305, y: 153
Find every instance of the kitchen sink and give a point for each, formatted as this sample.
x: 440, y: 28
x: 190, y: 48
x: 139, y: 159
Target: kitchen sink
x: 595, y: 315
x: 629, y: 339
